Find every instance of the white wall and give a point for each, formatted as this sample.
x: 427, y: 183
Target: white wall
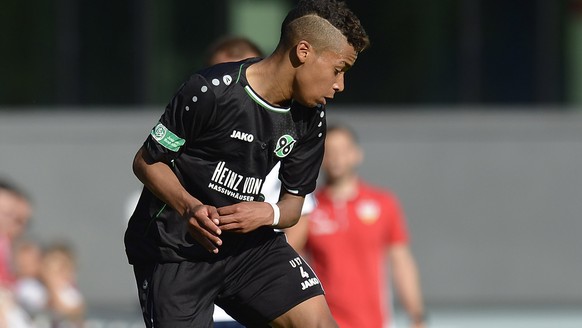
x: 494, y: 200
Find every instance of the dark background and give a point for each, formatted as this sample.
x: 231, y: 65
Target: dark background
x: 132, y: 52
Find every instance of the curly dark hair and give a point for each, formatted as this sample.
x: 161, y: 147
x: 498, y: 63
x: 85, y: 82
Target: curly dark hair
x: 335, y: 12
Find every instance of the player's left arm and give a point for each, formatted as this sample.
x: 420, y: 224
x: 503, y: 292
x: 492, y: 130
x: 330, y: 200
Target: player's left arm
x: 248, y: 216
x: 407, y: 283
x: 297, y: 235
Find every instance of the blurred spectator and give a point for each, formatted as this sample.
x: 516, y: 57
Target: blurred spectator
x: 65, y: 302
x: 15, y: 212
x: 11, y: 314
x: 32, y: 283
x: 347, y: 237
x: 28, y: 289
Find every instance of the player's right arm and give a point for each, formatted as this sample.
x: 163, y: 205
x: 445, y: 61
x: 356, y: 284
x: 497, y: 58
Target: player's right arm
x: 189, y: 115
x: 159, y: 178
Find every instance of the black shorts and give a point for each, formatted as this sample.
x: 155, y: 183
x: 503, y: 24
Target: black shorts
x: 261, y: 280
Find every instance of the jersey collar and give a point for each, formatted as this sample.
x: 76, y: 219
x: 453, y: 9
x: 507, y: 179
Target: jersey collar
x: 263, y: 103
x: 254, y: 96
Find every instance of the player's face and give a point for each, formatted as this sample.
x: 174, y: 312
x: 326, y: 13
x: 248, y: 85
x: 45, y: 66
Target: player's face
x: 322, y: 75
x: 342, y: 155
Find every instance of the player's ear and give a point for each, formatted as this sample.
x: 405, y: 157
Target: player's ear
x: 303, y: 51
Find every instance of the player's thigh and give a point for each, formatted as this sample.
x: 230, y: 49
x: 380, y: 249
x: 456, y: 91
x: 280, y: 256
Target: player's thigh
x: 266, y: 281
x: 313, y: 312
x: 178, y: 294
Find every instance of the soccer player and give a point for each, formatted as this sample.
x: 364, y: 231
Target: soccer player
x: 348, y: 236
x: 235, y: 48
x: 200, y: 233
x: 231, y: 49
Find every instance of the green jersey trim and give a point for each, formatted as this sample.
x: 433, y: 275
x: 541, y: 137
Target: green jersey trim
x: 239, y: 72
x: 154, y: 218
x: 263, y: 103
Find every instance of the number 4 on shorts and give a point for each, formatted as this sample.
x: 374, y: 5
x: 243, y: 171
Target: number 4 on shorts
x: 304, y: 273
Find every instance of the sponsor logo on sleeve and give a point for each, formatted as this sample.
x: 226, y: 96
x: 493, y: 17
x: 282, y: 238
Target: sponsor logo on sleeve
x: 167, y: 138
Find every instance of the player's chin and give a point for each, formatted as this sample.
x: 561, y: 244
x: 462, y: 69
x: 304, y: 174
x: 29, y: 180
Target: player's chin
x: 325, y: 99
x: 320, y: 102
x: 311, y: 103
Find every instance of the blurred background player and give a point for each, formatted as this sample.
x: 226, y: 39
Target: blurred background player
x: 59, y: 274
x: 347, y: 237
x: 232, y: 49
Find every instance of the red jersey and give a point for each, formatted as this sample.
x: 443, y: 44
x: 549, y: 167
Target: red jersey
x: 347, y: 244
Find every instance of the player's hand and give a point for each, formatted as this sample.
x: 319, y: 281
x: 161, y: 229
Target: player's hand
x: 203, y: 226
x: 245, y: 217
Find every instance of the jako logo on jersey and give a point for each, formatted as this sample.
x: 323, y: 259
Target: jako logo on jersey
x: 284, y: 145
x: 242, y: 136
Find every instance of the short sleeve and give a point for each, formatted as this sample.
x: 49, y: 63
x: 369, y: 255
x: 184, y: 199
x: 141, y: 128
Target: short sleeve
x: 299, y: 170
x: 396, y: 229
x: 190, y: 112
x: 272, y: 189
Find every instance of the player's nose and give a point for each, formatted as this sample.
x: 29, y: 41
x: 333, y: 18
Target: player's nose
x: 338, y: 86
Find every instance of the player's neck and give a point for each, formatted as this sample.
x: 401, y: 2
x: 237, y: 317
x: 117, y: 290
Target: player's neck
x: 343, y: 189
x: 272, y: 80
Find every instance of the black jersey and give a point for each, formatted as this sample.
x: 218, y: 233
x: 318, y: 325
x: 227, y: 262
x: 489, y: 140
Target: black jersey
x: 221, y: 139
